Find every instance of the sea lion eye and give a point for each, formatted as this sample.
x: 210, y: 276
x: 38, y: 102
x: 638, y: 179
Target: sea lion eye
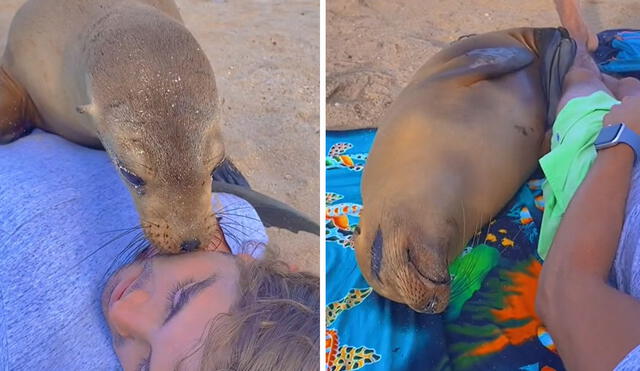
x: 376, y: 254
x: 132, y: 178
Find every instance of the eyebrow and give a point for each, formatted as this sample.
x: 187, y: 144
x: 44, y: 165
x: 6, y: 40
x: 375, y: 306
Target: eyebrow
x: 189, y: 293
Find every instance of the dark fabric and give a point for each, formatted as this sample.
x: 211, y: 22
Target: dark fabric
x: 227, y: 172
x: 556, y: 61
x: 607, y: 51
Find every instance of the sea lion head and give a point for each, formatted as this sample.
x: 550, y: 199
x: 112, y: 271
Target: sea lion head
x: 155, y: 107
x: 403, y: 252
x: 408, y: 231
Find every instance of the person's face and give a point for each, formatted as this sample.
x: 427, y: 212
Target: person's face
x: 158, y: 308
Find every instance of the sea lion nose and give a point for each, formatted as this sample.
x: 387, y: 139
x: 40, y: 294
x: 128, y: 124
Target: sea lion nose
x: 190, y: 245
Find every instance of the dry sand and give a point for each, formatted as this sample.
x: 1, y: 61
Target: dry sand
x: 265, y: 55
x: 375, y: 46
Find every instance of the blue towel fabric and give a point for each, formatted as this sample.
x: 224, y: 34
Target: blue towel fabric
x: 618, y: 52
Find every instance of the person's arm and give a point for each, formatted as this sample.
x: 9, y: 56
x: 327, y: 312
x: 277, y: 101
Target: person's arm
x: 593, y: 325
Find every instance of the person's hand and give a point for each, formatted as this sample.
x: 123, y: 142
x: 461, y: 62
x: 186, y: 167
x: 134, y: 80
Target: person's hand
x: 628, y: 113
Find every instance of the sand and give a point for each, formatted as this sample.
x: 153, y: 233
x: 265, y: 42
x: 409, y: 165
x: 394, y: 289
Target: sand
x: 375, y: 46
x: 265, y: 55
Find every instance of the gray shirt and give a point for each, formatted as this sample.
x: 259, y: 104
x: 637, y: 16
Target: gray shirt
x: 62, y: 207
x: 626, y: 267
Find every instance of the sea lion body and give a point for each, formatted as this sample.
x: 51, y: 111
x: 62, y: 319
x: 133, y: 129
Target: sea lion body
x: 453, y: 148
x: 125, y: 75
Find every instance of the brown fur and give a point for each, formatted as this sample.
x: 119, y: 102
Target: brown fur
x: 129, y: 77
x: 450, y: 152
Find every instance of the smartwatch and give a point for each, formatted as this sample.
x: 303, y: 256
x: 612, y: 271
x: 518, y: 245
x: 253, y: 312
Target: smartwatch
x: 612, y: 135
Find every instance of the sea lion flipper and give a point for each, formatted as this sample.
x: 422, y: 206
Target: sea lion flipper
x: 228, y: 173
x: 559, y: 51
x: 485, y: 63
x: 14, y: 122
x: 273, y: 213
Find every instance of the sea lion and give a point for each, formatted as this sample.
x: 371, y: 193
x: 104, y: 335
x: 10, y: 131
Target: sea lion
x: 450, y: 152
x: 126, y: 76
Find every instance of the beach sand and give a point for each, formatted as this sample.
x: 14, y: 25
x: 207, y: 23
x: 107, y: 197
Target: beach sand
x: 375, y: 46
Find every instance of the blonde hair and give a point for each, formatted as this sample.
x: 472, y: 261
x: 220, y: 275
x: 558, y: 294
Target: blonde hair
x: 274, y: 325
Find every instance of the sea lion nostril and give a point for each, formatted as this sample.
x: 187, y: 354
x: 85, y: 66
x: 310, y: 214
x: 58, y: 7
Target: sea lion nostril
x: 190, y: 245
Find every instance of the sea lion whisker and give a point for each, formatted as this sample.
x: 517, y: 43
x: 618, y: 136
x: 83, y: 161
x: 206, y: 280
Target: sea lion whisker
x: 457, y: 290
x: 118, y: 256
x: 466, y: 286
x: 122, y: 229
x: 101, y: 247
x: 464, y: 221
x: 228, y: 207
x: 242, y: 227
x: 236, y: 230
x: 467, y: 269
x: 132, y: 244
x: 229, y: 236
x: 227, y: 214
x: 230, y: 221
x: 239, y: 215
x: 218, y: 241
x: 478, y: 231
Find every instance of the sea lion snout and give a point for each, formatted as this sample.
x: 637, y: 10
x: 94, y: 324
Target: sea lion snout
x: 175, y: 207
x: 176, y: 229
x: 425, y: 282
x: 427, y: 266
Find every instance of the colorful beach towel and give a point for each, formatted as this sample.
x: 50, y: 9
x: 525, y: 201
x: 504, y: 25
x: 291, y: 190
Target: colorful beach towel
x: 490, y: 323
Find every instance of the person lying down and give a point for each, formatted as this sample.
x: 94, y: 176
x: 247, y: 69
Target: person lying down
x: 67, y: 223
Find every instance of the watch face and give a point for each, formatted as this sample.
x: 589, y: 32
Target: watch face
x: 608, y: 134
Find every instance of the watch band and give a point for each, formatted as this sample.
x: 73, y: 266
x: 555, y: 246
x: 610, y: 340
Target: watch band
x: 615, y: 134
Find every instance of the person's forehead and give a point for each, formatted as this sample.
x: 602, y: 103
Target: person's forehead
x: 199, y: 260
x: 209, y: 255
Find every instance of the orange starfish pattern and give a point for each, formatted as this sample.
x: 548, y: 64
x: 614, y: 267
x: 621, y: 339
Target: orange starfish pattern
x: 519, y: 305
x: 331, y: 346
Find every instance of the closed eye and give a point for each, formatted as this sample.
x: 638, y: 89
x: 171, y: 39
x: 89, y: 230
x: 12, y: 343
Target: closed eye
x: 183, y: 293
x: 376, y: 254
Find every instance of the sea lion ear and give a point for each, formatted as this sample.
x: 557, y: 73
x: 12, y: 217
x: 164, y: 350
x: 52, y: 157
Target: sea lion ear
x: 86, y: 108
x: 89, y: 108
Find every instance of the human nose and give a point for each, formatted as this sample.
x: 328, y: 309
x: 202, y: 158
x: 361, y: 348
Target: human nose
x: 130, y: 315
